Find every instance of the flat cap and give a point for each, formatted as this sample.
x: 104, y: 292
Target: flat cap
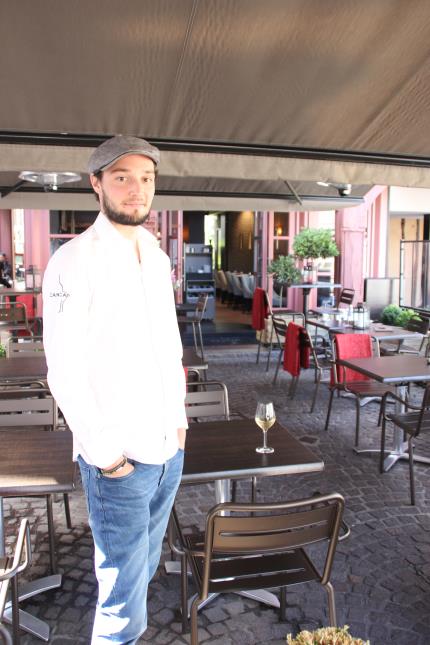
x: 113, y: 149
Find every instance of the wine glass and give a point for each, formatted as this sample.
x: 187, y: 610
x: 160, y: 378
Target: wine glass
x: 265, y: 418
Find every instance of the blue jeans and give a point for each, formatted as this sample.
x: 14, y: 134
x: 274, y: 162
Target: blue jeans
x: 128, y: 518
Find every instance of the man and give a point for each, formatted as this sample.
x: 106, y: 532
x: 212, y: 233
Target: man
x: 114, y: 366
x: 5, y: 271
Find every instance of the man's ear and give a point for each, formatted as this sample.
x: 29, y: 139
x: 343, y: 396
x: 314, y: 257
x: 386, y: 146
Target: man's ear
x: 95, y: 183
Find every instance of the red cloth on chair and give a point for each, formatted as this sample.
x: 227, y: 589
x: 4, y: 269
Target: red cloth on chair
x: 259, y: 309
x: 352, y: 346
x: 27, y: 300
x: 292, y: 349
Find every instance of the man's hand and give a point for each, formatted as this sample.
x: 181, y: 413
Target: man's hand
x: 182, y: 435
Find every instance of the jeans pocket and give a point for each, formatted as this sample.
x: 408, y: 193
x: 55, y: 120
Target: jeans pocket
x: 124, y: 478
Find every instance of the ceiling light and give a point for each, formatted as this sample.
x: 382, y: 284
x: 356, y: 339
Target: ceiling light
x: 343, y: 189
x: 49, y: 180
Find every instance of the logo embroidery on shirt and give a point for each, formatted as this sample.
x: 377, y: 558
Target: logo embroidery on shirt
x: 60, y: 294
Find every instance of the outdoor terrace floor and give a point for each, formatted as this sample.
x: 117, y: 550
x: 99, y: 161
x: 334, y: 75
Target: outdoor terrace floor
x: 381, y: 574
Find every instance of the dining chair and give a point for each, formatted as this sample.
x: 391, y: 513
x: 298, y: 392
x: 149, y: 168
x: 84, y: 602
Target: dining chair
x: 249, y: 546
x: 10, y: 567
x: 345, y: 297
x: 195, y: 320
x: 414, y: 422
x: 223, y: 284
x: 346, y: 380
x: 33, y: 406
x: 13, y: 318
x: 25, y: 346
x: 206, y: 399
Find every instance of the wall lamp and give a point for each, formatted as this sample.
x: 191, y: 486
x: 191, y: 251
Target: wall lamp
x: 343, y: 189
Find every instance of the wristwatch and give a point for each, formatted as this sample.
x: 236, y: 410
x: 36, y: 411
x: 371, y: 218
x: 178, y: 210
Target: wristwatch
x: 110, y: 471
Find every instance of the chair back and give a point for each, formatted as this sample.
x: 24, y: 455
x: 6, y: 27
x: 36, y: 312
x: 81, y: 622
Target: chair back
x: 222, y: 280
x: 25, y: 347
x: 346, y: 297
x: 425, y: 409
x: 24, y: 407
x: 13, y: 313
x: 237, y: 285
x: 212, y: 401
x: 281, y: 527
x: 419, y: 325
x: 351, y: 346
x: 297, y: 350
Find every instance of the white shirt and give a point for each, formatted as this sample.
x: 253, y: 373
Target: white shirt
x: 112, y: 346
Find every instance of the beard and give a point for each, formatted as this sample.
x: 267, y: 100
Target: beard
x: 119, y: 217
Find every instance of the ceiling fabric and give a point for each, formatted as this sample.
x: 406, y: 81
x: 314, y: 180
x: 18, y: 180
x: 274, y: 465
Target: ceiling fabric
x: 338, y: 75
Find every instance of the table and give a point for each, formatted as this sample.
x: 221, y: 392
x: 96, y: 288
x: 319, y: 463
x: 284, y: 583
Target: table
x: 33, y: 462
x: 223, y: 450
x: 307, y: 286
x: 377, y: 331
x: 32, y: 368
x: 399, y: 371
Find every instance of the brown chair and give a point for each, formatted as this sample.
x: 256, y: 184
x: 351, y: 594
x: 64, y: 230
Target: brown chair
x: 346, y: 380
x: 26, y: 407
x: 206, y: 399
x: 10, y: 567
x: 259, y: 545
x: 345, y: 297
x: 280, y: 322
x: 195, y: 320
x: 413, y: 423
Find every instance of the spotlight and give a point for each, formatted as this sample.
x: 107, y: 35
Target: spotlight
x: 343, y: 189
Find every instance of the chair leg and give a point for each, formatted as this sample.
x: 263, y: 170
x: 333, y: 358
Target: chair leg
x: 411, y: 470
x: 195, y: 337
x: 253, y: 490
x: 382, y: 452
x: 194, y: 626
x: 357, y: 422
x: 258, y: 349
x: 51, y: 534
x: 270, y: 351
x: 67, y: 511
x: 184, y: 594
x: 317, y: 385
x: 233, y: 490
x: 330, y: 403
x: 331, y: 604
x: 202, y: 351
x: 15, y: 610
x: 278, y: 364
x: 283, y: 604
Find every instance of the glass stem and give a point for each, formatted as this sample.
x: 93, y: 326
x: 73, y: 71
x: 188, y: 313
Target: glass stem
x: 264, y: 438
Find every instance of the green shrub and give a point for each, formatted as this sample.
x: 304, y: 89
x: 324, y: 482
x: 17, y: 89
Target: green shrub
x: 2, y: 351
x: 284, y: 269
x: 395, y: 315
x: 315, y: 243
x: 326, y: 636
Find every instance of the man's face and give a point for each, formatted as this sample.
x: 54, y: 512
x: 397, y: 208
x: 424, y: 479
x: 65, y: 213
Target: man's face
x: 126, y: 190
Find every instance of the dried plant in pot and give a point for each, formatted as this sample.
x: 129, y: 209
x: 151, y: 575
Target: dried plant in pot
x: 326, y: 636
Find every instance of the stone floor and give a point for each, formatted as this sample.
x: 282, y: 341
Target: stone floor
x: 381, y: 574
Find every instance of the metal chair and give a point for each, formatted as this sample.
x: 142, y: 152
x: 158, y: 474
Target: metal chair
x: 346, y: 380
x: 13, y: 317
x: 247, y: 546
x: 346, y: 297
x: 10, y: 567
x: 223, y: 284
x: 413, y: 424
x: 24, y: 407
x: 24, y: 346
x: 206, y: 399
x: 195, y: 320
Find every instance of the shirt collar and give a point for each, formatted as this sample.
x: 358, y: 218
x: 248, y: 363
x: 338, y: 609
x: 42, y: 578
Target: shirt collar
x: 109, y: 233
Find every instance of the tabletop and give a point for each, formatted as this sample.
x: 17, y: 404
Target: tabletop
x: 391, y: 369
x: 33, y: 462
x: 315, y: 285
x: 377, y: 331
x: 20, y: 368
x: 226, y: 450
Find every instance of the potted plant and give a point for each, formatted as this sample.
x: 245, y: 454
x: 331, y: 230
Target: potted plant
x: 284, y: 272
x: 326, y: 636
x: 313, y: 243
x: 395, y: 315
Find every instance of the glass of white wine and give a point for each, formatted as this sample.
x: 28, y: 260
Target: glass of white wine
x: 265, y: 418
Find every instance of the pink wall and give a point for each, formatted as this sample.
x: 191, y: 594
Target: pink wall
x: 36, y: 242
x: 6, y: 232
x: 361, y: 234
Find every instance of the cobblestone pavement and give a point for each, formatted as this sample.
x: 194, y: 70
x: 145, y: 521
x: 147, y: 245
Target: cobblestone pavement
x: 381, y: 574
